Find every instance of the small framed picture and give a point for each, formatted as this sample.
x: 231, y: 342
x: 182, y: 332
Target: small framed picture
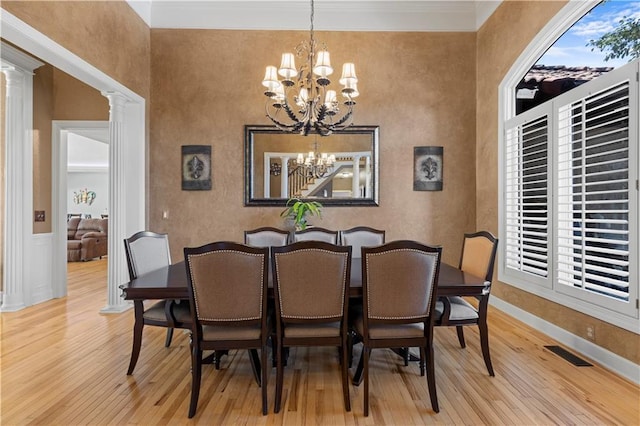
x: 427, y: 168
x: 196, y: 167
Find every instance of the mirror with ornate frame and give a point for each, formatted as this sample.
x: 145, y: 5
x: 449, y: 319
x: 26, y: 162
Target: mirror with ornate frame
x: 338, y: 170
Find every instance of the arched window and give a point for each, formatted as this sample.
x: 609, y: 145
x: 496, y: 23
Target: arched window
x: 573, y: 59
x: 568, y: 187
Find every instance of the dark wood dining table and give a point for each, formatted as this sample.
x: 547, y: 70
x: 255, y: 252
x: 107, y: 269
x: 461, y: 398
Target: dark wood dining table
x: 171, y: 283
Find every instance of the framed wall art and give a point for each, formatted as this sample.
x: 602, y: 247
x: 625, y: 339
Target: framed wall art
x: 196, y: 167
x: 427, y: 168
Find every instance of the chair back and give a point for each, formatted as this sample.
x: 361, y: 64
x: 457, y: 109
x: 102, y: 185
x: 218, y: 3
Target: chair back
x: 479, y: 254
x: 399, y: 280
x: 146, y: 251
x: 361, y: 236
x: 310, y: 281
x: 316, y: 234
x: 266, y: 237
x: 227, y: 283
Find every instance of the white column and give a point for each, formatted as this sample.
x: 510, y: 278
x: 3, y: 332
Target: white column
x: 14, y: 224
x: 284, y: 178
x: 117, y: 273
x: 18, y: 228
x: 266, y: 176
x: 355, y: 185
x: 367, y: 170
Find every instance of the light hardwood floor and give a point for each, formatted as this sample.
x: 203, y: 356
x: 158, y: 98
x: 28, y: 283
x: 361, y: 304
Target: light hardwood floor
x: 62, y: 363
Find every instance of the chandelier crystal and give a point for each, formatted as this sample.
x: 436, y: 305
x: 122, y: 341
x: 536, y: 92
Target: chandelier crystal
x: 300, y: 100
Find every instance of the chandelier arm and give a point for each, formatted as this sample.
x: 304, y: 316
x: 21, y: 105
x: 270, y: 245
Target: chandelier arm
x: 285, y: 127
x: 290, y: 112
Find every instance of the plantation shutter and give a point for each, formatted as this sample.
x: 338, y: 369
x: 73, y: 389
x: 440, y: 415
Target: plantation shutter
x: 527, y: 195
x: 593, y: 192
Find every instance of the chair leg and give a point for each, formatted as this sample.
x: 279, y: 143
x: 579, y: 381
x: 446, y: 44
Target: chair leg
x: 484, y: 343
x: 461, y: 336
x: 431, y: 379
x: 279, y: 376
x: 366, y: 353
x: 422, y: 361
x: 345, y: 378
x: 265, y: 375
x: 196, y: 374
x: 255, y: 365
x: 357, y: 376
x: 405, y: 356
x: 137, y: 335
x: 167, y: 341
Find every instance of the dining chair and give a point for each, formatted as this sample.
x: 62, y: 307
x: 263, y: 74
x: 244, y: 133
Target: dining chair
x: 310, y: 282
x: 316, y: 234
x: 266, y: 237
x: 148, y: 251
x: 358, y: 237
x: 398, y: 285
x: 477, y: 258
x: 227, y: 285
x: 361, y: 236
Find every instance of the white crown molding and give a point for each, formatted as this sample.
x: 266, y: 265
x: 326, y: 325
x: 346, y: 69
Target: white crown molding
x: 351, y: 15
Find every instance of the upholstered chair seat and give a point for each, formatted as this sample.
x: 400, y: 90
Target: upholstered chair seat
x: 460, y: 309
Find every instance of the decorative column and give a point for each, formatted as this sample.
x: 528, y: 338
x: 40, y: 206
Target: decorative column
x: 284, y: 177
x: 117, y: 273
x: 367, y: 180
x: 18, y: 229
x: 355, y: 185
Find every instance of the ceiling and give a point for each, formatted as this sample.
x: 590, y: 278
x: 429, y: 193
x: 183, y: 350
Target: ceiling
x: 343, y: 15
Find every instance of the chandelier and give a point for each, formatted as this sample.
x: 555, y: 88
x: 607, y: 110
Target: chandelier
x: 301, y: 101
x: 313, y: 165
x: 316, y: 165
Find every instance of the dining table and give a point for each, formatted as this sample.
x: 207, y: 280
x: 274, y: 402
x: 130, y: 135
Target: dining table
x: 171, y: 282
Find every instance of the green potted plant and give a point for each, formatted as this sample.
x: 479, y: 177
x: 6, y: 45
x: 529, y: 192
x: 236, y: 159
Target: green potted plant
x: 297, y: 210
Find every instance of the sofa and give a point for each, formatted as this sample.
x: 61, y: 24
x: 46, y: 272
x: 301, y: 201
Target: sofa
x: 86, y: 239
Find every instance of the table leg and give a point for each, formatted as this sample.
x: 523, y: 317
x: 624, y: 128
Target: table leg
x: 137, y: 335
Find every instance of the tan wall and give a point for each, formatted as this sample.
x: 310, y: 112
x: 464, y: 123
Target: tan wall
x: 74, y: 100
x: 518, y: 22
x: 56, y: 96
x: 107, y: 34
x: 42, y: 115
x: 418, y: 87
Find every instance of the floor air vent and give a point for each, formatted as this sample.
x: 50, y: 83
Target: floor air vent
x: 575, y: 360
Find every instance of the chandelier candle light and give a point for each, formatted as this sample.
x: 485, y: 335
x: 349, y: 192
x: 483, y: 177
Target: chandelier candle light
x: 303, y: 94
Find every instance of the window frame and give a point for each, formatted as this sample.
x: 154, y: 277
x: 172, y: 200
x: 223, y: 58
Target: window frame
x: 610, y: 310
x: 630, y: 320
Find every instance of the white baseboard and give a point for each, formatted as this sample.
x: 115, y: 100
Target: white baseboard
x: 607, y: 359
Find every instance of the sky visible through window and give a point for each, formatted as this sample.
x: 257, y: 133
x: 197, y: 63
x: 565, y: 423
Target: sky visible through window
x: 571, y: 48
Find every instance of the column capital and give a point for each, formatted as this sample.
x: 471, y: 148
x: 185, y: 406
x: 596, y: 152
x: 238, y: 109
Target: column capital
x: 17, y: 59
x: 117, y: 102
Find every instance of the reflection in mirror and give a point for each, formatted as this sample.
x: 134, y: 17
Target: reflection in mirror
x: 341, y: 169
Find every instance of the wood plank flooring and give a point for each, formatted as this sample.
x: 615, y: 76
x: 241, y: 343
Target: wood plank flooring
x: 63, y: 363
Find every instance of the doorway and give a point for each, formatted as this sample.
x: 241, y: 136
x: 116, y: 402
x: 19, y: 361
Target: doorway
x: 127, y: 205
x: 82, y: 157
